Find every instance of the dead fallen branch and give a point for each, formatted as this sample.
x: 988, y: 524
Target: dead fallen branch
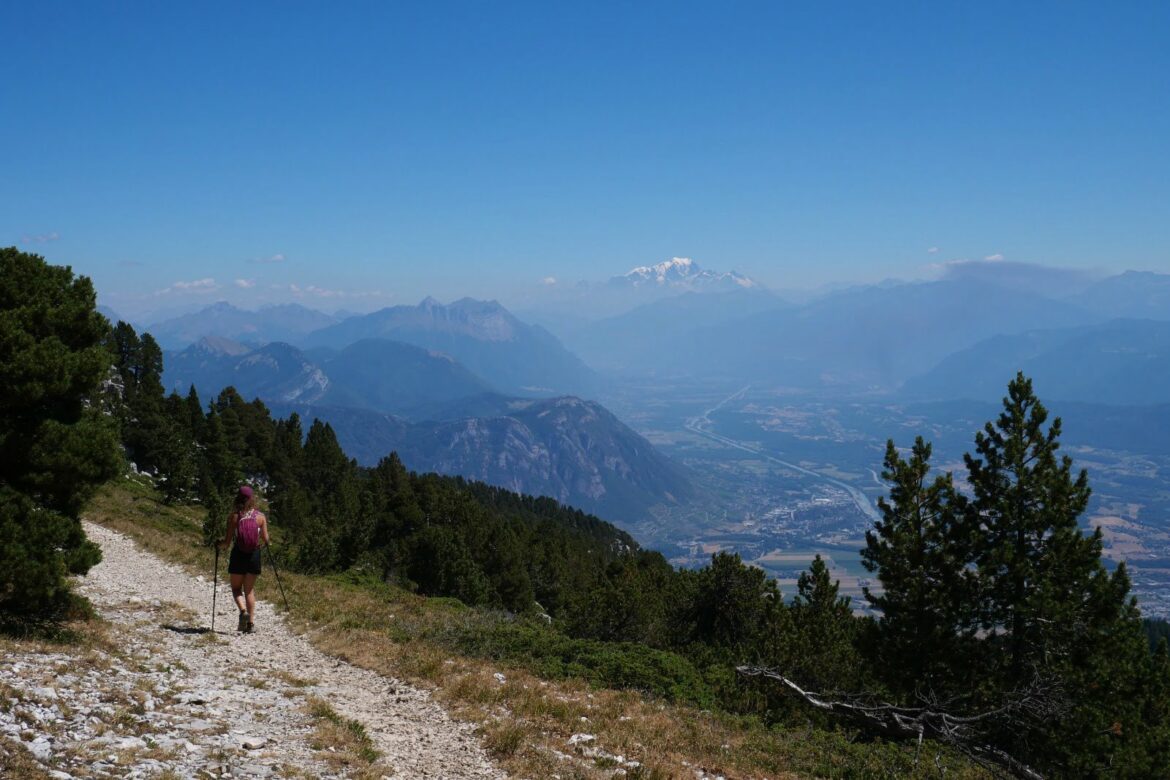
x: 933, y: 720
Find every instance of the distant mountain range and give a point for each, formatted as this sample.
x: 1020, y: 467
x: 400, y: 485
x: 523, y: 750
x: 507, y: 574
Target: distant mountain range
x: 563, y: 307
x: 572, y: 450
x: 692, y: 323
x: 871, y: 338
x: 637, y: 340
x: 1134, y: 294
x: 383, y: 395
x: 287, y: 323
x: 481, y: 335
x: 1117, y: 362
x: 440, y: 383
x: 374, y: 374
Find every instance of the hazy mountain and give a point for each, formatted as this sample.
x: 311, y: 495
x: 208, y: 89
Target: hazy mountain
x: 572, y: 450
x: 287, y: 322
x: 1136, y: 294
x: 390, y: 376
x: 1043, y: 280
x: 481, y: 335
x: 1117, y: 362
x: 374, y: 374
x: 622, y: 343
x: 111, y: 315
x: 568, y: 309
x: 274, y: 372
x: 862, y: 338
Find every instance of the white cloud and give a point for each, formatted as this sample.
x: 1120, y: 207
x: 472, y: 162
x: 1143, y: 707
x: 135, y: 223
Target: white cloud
x: 302, y: 292
x: 197, y: 286
x: 548, y: 281
x: 40, y: 238
x: 245, y: 283
x: 994, y: 258
x: 321, y: 292
x: 932, y: 250
x: 276, y: 258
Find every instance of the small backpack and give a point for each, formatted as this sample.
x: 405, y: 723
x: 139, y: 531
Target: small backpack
x: 248, y: 532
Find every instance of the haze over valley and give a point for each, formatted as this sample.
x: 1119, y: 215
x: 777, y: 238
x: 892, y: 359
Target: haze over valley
x: 703, y: 411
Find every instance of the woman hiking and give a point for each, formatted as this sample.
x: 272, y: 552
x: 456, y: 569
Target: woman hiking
x: 249, y: 527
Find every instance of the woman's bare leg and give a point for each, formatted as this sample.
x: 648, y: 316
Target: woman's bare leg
x: 250, y: 596
x: 238, y: 591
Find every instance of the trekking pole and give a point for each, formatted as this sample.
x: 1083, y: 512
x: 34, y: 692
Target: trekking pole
x: 272, y: 560
x: 214, y: 587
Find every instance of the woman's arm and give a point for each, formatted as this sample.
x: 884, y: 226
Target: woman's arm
x: 231, y: 529
x: 264, y: 527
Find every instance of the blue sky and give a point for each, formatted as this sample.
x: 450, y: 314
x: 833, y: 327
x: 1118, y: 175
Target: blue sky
x: 352, y: 155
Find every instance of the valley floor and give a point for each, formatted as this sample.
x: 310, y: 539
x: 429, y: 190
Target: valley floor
x: 158, y: 695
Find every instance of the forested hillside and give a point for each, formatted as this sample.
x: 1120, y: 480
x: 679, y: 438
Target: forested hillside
x: 1000, y: 633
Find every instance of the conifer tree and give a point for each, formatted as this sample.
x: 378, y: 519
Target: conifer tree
x: 1052, y: 612
x: 328, y: 479
x: 221, y: 470
x: 1038, y: 572
x: 825, y: 630
x: 733, y: 605
x: 288, y: 505
x: 55, y: 446
x: 922, y: 552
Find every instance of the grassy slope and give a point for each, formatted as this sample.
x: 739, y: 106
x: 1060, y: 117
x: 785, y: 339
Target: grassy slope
x: 527, y: 720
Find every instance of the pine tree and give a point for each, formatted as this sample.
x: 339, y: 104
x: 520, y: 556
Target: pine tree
x: 221, y: 471
x: 55, y: 446
x: 733, y: 605
x: 1038, y: 571
x: 1052, y: 612
x: 825, y: 631
x: 922, y: 552
x: 324, y: 536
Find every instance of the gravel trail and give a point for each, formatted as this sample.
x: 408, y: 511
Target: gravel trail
x: 214, y: 705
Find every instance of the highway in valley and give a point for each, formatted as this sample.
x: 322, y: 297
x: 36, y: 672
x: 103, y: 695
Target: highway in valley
x: 702, y: 425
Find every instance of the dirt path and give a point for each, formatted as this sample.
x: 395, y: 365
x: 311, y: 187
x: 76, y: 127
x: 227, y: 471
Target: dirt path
x: 197, y: 704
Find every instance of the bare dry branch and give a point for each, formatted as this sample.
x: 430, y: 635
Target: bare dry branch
x: 933, y: 721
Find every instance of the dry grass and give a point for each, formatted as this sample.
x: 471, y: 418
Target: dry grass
x: 16, y: 761
x: 293, y: 680
x: 526, y: 721
x: 90, y: 639
x: 344, y: 744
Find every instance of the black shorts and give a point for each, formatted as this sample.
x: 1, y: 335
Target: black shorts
x: 244, y: 562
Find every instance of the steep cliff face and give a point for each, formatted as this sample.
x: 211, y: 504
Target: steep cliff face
x: 572, y: 450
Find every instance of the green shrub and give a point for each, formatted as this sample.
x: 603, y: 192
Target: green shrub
x: 604, y: 664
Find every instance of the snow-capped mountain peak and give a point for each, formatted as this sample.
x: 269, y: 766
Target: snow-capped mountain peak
x: 682, y: 272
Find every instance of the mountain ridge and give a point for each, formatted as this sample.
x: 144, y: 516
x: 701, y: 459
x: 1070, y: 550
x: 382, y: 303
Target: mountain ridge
x: 566, y: 448
x: 483, y: 336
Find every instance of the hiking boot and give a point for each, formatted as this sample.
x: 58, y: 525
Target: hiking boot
x: 243, y: 624
x: 251, y: 626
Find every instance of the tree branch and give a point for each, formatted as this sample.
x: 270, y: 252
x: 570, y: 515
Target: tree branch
x: 933, y: 721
